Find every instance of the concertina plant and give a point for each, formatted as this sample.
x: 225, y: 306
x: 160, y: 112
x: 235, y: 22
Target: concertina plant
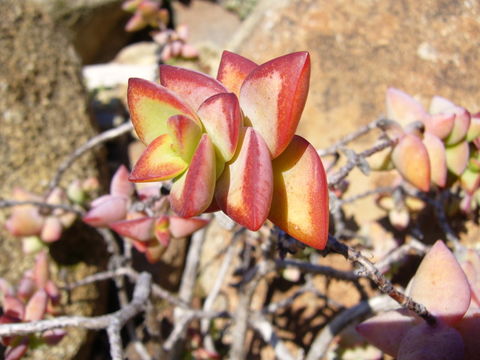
x: 229, y: 144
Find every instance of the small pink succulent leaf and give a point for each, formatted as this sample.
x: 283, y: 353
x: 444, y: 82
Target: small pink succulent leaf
x: 222, y: 118
x: 110, y: 209
x: 410, y: 158
x: 185, y: 135
x: 53, y: 292
x: 26, y: 287
x: 52, y: 229
x: 141, y: 229
x: 36, y: 306
x: 300, y: 194
x: 244, y: 190
x: 25, y: 220
x: 16, y: 352
x: 13, y: 307
x: 386, y: 330
x: 440, y: 125
x: 403, y: 108
x: 120, y: 185
x: 192, y: 86
x: 41, y: 272
x: 438, y: 158
x: 469, y: 328
x: 135, y: 23
x: 180, y: 227
x: 54, y: 336
x: 158, y: 162
x: 457, y: 157
x: 273, y: 96
x: 381, y: 161
x: 193, y: 192
x: 425, y: 342
x: 151, y: 105
x: 440, y: 104
x: 474, y: 129
x: 233, y: 70
x: 441, y: 285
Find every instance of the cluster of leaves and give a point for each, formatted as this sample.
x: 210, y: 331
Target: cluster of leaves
x: 150, y: 229
x: 150, y: 13
x: 229, y: 143
x: 35, y: 297
x: 438, y: 149
x: 451, y: 294
x: 39, y: 226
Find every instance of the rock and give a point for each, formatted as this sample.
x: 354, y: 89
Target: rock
x: 43, y: 118
x: 359, y: 49
x: 95, y: 27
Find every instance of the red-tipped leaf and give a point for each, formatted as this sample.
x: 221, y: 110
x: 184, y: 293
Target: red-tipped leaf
x: 185, y: 135
x: 180, y: 227
x: 233, y: 70
x: 300, y: 195
x: 272, y: 98
x: 403, y: 108
x: 244, y: 191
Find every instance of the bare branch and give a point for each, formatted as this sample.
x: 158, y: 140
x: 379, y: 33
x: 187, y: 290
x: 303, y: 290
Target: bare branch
x: 137, y: 305
x: 42, y: 205
x: 265, y: 329
x: 323, y: 339
x: 90, y: 144
x: 384, y: 285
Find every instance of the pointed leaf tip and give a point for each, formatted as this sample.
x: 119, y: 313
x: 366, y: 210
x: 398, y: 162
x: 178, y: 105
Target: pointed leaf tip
x: 151, y: 105
x: 300, y: 195
x: 192, y: 86
x: 441, y: 285
x: 273, y: 96
x: 410, y: 158
x: 222, y: 118
x: 120, y: 186
x: 158, y: 162
x: 403, y: 108
x: 233, y: 70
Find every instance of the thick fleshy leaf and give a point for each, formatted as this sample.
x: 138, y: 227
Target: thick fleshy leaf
x: 120, y: 185
x: 140, y: 229
x: 244, y: 191
x: 469, y: 328
x: 300, y: 195
x: 440, y: 105
x: 185, y: 135
x: 440, y: 125
x: 24, y: 221
x: 474, y: 129
x: 41, y: 272
x: 17, y: 352
x: 36, y: 306
x: 387, y: 330
x: 53, y: 336
x: 52, y: 229
x: 222, y: 118
x: 233, y: 70
x: 180, y: 227
x: 158, y: 162
x: 403, y: 108
x: 151, y: 105
x: 154, y: 251
x: 272, y: 98
x: 457, y: 157
x: 425, y: 342
x: 460, y: 126
x: 470, y: 181
x: 13, y: 307
x: 26, y: 287
x: 381, y: 161
x: 192, y: 86
x: 438, y: 159
x: 53, y: 292
x: 106, y: 211
x: 410, y: 158
x: 192, y: 193
x: 441, y: 285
